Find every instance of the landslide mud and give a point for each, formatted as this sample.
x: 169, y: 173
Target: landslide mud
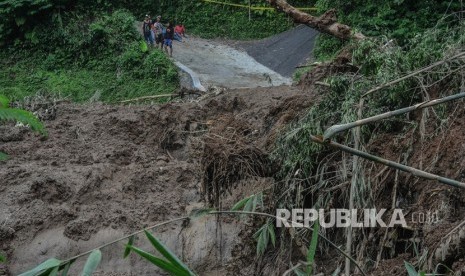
x: 105, y: 171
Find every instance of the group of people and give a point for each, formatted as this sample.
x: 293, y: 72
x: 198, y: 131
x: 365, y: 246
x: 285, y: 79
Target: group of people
x: 156, y: 33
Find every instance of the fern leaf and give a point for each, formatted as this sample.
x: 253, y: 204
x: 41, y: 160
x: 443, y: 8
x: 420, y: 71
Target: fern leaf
x: 22, y: 116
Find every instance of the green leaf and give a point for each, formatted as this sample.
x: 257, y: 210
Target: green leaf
x: 143, y: 46
x: 66, y: 269
x: 127, y: 250
x: 410, y: 269
x: 2, y: 258
x: 54, y: 271
x: 3, y: 157
x: 263, y: 239
x: 260, y: 200
x: 254, y: 204
x: 164, y: 265
x: 272, y: 234
x: 248, y: 206
x: 20, y: 21
x: 92, y: 262
x: 4, y: 102
x: 48, y: 264
x: 22, y: 116
x: 239, y: 205
x: 170, y: 256
x: 312, y: 248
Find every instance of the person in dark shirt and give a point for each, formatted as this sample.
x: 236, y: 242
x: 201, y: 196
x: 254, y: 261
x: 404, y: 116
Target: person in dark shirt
x: 147, y: 30
x: 168, y: 42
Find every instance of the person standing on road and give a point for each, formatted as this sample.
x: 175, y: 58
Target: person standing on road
x: 168, y: 42
x: 158, y: 28
x: 147, y: 30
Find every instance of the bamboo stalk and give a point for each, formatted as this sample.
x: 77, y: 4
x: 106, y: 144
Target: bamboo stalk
x: 149, y: 97
x: 353, y: 185
x: 413, y: 74
x: 413, y: 171
x: 330, y: 132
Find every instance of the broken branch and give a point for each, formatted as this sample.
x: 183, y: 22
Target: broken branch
x: 326, y: 23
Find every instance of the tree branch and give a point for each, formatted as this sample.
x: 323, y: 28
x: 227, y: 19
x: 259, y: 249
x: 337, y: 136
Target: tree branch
x: 326, y: 23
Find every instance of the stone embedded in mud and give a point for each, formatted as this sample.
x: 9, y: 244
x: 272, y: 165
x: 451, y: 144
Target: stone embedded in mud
x: 80, y: 229
x: 6, y: 233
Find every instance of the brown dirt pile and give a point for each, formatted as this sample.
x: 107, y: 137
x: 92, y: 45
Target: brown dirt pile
x: 120, y: 168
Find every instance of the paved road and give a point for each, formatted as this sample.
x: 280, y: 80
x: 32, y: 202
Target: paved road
x: 283, y: 52
x: 217, y: 64
x: 240, y: 64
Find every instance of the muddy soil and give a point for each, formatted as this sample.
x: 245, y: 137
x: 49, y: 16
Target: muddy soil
x: 105, y: 171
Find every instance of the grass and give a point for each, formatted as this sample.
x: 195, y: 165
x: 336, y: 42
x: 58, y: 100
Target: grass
x: 78, y: 84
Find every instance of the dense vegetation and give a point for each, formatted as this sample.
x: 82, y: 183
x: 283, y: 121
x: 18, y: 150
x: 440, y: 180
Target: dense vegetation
x: 399, y: 20
x: 78, y: 57
x: 315, y: 175
x: 83, y: 50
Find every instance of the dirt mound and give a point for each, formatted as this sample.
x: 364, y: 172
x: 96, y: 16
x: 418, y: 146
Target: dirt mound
x: 108, y: 170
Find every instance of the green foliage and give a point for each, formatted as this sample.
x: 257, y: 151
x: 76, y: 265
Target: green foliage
x: 308, y: 271
x: 401, y: 20
x: 95, y: 58
x: 92, y: 263
x: 24, y: 117
x: 171, y: 265
x: 18, y: 115
x: 379, y: 61
x: 23, y: 21
x: 127, y: 250
x: 3, y: 156
x: 264, y: 235
x: 312, y: 248
x: 44, y: 268
x: 4, y: 102
x: 249, y: 204
x: 2, y: 258
x: 326, y: 47
x: 412, y: 271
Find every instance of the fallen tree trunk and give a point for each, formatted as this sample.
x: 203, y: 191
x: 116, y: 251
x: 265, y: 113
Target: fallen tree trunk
x: 326, y: 23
